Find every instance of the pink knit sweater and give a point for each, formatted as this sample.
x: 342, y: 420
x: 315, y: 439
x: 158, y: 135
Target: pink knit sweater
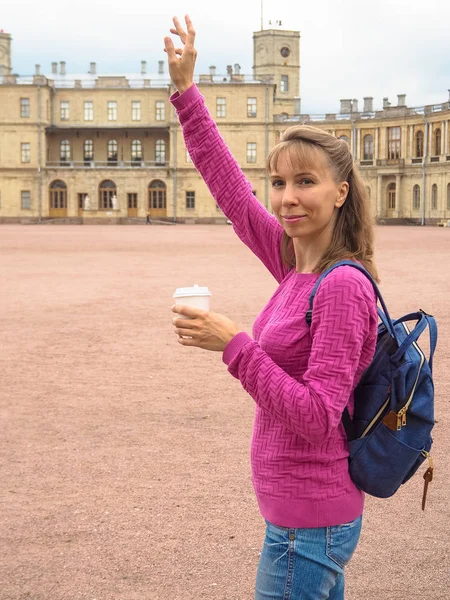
x: 300, y: 378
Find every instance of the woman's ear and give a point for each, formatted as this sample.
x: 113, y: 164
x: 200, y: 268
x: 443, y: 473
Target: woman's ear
x: 342, y: 194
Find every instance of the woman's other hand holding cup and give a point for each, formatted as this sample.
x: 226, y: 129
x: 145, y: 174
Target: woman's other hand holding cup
x: 203, y: 329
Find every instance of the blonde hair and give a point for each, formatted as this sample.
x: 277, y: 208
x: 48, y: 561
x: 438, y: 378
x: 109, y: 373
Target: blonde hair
x: 353, y: 232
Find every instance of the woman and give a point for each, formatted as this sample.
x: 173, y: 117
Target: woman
x: 301, y: 378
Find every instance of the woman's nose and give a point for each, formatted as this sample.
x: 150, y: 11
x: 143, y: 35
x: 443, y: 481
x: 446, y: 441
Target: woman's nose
x: 289, y: 196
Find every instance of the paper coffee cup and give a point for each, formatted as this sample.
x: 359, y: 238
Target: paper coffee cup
x: 195, y: 296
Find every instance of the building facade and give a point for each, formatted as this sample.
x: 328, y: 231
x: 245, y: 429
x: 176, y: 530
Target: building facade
x: 107, y: 148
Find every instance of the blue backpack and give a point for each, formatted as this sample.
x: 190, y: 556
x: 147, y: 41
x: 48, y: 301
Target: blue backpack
x: 390, y: 433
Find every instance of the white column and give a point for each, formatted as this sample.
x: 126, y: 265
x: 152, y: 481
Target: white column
x: 376, y: 142
x: 379, y: 198
x: 358, y: 143
x: 398, y: 196
x: 411, y: 140
x: 430, y: 140
x: 446, y: 150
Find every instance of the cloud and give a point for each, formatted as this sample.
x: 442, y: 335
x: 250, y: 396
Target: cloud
x: 348, y: 50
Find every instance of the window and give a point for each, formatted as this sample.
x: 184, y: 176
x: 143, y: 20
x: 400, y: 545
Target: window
x: 112, y: 110
x: 88, y: 110
x: 190, y: 200
x: 88, y: 150
x: 107, y: 190
x: 284, y: 87
x: 160, y: 111
x: 157, y: 194
x: 393, y: 142
x: 251, y: 107
x: 368, y: 147
x: 132, y: 200
x: 391, y: 196
x: 26, y: 200
x: 251, y: 152
x: 58, y: 194
x: 64, y: 109
x: 344, y: 138
x: 188, y: 157
x: 112, y: 152
x: 419, y: 144
x: 136, y: 110
x: 437, y: 142
x: 25, y: 152
x: 368, y: 192
x: 221, y: 107
x: 434, y: 196
x: 416, y: 197
x: 136, y: 151
x: 448, y: 196
x: 64, y: 152
x: 81, y: 197
x: 160, y: 152
x: 24, y: 107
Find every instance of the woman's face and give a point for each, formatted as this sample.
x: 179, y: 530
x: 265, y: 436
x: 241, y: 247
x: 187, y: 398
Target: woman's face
x: 305, y: 198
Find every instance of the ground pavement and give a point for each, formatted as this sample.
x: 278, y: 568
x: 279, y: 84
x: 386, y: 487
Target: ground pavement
x: 124, y: 461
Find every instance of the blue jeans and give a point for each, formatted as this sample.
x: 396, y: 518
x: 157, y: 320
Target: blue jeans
x: 305, y: 564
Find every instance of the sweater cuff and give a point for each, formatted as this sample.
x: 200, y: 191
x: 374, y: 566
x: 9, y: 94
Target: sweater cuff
x: 181, y: 100
x: 235, y: 346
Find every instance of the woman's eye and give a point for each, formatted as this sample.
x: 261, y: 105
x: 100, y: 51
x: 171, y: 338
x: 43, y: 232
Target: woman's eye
x: 277, y: 183
x: 307, y: 181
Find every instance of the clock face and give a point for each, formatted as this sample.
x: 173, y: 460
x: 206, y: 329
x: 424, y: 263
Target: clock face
x: 285, y: 51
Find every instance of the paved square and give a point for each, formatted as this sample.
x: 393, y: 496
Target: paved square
x: 125, y: 457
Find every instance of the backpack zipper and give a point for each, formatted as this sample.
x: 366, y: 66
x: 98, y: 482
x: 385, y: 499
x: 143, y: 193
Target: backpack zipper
x: 401, y: 415
x: 378, y: 415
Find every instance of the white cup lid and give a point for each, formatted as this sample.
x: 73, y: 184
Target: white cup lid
x: 195, y: 290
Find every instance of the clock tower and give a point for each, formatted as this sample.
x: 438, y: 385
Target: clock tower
x: 276, y: 54
x: 5, y: 53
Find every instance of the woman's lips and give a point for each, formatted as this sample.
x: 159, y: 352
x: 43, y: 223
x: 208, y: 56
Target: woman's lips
x: 294, y: 218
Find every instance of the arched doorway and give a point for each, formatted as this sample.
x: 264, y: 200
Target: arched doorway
x: 57, y: 199
x: 107, y: 190
x: 391, y: 200
x: 157, y: 198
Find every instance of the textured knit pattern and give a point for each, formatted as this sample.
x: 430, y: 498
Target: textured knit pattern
x: 300, y: 377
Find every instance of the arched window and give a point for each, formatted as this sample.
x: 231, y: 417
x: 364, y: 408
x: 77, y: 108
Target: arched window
x: 419, y: 144
x: 136, y: 151
x: 368, y: 147
x: 112, y: 152
x: 416, y: 197
x: 160, y: 152
x: 58, y: 194
x: 64, y: 151
x: 434, y: 196
x: 437, y: 142
x: 391, y: 192
x: 107, y: 189
x: 157, y: 194
x: 448, y: 196
x: 88, y: 149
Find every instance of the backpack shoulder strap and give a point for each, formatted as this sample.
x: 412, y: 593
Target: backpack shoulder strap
x: 383, y: 314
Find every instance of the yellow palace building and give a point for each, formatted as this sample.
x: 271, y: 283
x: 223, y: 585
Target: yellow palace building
x: 96, y: 148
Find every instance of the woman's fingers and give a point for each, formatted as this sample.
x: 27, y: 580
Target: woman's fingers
x: 190, y: 31
x: 169, y: 48
x: 179, y: 30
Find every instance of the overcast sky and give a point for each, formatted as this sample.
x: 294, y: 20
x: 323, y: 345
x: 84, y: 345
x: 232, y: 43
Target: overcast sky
x: 348, y: 48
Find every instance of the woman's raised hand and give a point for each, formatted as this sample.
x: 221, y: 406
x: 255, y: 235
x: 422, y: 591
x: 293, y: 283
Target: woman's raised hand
x: 181, y: 60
